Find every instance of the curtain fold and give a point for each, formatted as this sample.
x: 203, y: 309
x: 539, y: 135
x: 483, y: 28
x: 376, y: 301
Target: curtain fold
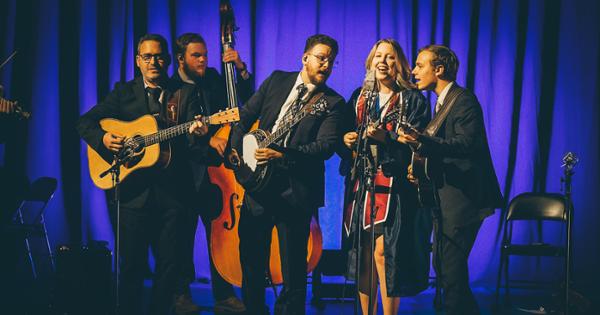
x: 534, y: 65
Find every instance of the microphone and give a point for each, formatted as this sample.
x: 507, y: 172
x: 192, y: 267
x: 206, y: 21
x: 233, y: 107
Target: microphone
x: 369, y: 82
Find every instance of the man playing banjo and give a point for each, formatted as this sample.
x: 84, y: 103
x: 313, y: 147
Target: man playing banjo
x: 298, y: 131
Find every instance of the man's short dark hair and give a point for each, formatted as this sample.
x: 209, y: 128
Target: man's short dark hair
x: 157, y: 38
x: 184, y: 40
x: 322, y: 39
x: 445, y: 57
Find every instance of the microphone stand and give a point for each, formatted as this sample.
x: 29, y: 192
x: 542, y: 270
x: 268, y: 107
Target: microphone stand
x: 366, y: 161
x: 569, y: 162
x: 115, y: 172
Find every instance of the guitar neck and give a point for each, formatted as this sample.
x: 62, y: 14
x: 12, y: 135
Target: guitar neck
x: 171, y: 132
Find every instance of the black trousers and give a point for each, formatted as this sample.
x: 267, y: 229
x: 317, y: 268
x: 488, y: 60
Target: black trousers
x: 293, y: 226
x: 153, y: 225
x: 457, y: 243
x: 221, y: 289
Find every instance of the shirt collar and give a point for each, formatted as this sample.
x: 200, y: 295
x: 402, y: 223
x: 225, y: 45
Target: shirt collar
x: 444, y: 92
x: 309, y: 86
x: 146, y: 86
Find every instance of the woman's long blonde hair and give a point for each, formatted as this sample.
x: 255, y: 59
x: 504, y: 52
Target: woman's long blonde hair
x: 402, y: 65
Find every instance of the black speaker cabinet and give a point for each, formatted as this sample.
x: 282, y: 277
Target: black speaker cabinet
x: 84, y: 277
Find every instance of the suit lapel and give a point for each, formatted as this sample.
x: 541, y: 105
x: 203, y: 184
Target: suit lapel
x: 281, y: 93
x: 140, y: 94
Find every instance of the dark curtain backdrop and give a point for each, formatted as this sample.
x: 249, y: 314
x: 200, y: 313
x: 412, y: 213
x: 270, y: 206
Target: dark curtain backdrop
x: 533, y: 64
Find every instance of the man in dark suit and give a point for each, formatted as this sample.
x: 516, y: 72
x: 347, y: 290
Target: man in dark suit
x: 466, y: 183
x: 296, y: 189
x: 153, y: 200
x: 210, y: 88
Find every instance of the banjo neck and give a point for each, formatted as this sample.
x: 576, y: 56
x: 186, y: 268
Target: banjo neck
x: 283, y: 129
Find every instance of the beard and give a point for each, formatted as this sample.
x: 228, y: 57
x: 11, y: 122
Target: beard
x: 194, y: 73
x: 316, y: 75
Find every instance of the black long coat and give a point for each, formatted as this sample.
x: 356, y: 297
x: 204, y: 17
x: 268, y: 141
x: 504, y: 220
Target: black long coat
x: 469, y: 188
x: 407, y: 230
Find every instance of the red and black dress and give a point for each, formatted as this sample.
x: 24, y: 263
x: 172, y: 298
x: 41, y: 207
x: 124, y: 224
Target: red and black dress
x: 406, y: 227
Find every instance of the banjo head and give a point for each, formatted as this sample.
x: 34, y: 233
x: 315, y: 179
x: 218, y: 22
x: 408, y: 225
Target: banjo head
x: 251, y: 142
x: 249, y: 145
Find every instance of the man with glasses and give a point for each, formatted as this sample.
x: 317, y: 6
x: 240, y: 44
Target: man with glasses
x: 153, y: 200
x: 296, y: 189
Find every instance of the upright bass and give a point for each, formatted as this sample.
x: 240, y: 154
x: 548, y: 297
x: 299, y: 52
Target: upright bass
x: 224, y: 239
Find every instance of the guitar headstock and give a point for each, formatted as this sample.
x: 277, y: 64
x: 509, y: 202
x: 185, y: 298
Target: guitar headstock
x: 319, y: 107
x: 18, y: 111
x: 391, y: 116
x: 226, y: 116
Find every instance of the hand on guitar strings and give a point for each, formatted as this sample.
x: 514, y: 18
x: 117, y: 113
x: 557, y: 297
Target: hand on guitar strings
x: 218, y: 144
x: 114, y: 143
x: 411, y: 178
x: 198, y: 128
x: 264, y: 155
x: 407, y: 137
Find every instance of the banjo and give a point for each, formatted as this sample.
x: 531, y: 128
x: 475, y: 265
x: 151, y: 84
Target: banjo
x: 251, y: 174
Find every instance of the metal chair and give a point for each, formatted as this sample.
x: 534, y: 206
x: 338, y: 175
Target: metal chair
x: 40, y: 192
x: 533, y: 207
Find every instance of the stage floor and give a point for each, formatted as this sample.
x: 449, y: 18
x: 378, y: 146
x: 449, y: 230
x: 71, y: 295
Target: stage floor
x: 523, y: 302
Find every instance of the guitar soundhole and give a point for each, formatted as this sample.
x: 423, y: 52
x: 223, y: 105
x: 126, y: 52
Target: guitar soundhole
x: 135, y: 159
x: 136, y: 144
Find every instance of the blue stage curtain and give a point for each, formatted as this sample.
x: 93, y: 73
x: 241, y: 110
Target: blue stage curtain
x: 534, y: 66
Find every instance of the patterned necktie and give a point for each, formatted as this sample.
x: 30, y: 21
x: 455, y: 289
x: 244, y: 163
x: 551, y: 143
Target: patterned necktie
x: 301, y: 89
x: 154, y: 99
x: 438, y: 106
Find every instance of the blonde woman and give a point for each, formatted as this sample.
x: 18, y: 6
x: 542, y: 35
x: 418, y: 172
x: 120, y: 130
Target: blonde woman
x: 402, y: 229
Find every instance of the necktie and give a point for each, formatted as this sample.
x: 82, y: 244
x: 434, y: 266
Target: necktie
x: 438, y: 106
x: 302, y: 89
x: 154, y: 100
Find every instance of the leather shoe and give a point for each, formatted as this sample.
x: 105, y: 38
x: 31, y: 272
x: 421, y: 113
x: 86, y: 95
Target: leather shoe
x: 184, y: 305
x: 231, y: 305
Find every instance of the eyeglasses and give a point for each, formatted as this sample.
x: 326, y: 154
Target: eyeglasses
x: 147, y: 58
x: 323, y: 60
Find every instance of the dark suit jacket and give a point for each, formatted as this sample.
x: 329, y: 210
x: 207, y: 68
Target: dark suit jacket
x: 211, y: 92
x: 127, y: 101
x: 468, y: 188
x: 311, y: 143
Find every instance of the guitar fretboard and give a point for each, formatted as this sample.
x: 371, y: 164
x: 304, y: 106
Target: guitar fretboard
x: 170, y: 133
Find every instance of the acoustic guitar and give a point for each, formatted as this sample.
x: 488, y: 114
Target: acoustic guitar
x: 142, y: 146
x: 424, y: 169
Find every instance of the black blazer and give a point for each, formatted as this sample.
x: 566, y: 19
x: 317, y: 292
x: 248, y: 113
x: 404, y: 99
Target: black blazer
x: 211, y: 92
x: 468, y: 188
x: 128, y: 101
x: 311, y: 143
